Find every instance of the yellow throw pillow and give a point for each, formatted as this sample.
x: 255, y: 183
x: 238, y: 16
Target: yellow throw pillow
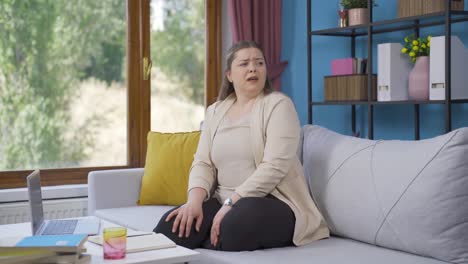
x: 168, y: 160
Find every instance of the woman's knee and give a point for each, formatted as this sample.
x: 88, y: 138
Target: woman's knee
x: 255, y: 223
x: 164, y: 227
x: 233, y: 238
x: 237, y: 233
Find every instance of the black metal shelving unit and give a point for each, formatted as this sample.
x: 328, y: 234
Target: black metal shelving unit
x: 446, y: 18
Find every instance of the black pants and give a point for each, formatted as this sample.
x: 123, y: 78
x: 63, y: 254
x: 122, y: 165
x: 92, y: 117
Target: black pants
x: 252, y: 223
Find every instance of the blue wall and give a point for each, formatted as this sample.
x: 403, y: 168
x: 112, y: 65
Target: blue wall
x: 390, y: 121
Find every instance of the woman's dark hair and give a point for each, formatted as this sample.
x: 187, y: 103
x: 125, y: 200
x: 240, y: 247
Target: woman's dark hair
x: 226, y: 86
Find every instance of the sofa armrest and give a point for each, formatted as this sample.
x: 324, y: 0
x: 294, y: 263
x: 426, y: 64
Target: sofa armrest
x: 113, y: 188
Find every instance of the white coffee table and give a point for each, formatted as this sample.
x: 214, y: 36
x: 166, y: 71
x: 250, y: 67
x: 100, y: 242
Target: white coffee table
x: 161, y: 256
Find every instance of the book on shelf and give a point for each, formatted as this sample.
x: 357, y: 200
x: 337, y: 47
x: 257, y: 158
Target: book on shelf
x: 343, y: 66
x: 348, y: 66
x: 141, y: 243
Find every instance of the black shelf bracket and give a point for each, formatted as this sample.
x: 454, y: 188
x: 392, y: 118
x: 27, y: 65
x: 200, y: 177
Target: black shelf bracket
x: 309, y: 63
x: 448, y: 66
x: 370, y: 107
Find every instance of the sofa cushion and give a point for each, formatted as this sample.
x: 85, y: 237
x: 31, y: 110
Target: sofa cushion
x: 167, y: 167
x: 327, y: 251
x: 144, y: 218
x: 406, y: 195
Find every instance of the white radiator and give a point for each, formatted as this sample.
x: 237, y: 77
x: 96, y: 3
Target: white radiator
x: 11, y: 213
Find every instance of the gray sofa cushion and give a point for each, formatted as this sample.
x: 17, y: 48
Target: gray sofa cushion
x: 327, y: 251
x: 406, y: 195
x: 144, y: 218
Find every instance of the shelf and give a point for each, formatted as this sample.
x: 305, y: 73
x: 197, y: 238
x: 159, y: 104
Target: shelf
x: 340, y: 103
x: 391, y: 25
x: 415, y: 24
x: 459, y: 101
x: 409, y: 102
x: 359, y: 30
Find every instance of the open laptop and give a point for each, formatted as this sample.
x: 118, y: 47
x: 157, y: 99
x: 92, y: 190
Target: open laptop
x: 54, y: 227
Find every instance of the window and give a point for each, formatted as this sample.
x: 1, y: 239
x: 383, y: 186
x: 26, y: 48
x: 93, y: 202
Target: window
x: 178, y: 54
x: 62, y: 84
x: 72, y: 96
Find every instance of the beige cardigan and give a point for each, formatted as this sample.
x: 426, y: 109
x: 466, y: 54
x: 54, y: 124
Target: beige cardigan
x: 275, y: 138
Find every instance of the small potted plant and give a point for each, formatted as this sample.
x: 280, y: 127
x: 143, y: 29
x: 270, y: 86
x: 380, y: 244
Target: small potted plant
x: 358, y: 13
x: 416, y: 47
x: 418, y: 50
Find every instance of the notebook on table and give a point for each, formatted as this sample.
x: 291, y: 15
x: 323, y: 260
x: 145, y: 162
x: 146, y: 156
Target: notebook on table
x: 140, y: 243
x: 40, y: 226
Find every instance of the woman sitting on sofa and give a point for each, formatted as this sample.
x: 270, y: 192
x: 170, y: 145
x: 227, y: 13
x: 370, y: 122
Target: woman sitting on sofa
x: 246, y: 188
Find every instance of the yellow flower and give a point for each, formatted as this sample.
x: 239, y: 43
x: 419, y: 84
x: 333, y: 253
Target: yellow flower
x: 406, y: 40
x: 429, y: 38
x: 423, y: 46
x: 412, y: 54
x: 415, y: 42
x: 415, y: 48
x: 404, y: 50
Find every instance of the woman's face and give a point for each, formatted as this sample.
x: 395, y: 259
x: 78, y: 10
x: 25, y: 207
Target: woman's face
x: 248, y: 72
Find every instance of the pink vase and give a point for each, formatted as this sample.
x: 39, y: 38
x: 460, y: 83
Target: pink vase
x: 418, y: 81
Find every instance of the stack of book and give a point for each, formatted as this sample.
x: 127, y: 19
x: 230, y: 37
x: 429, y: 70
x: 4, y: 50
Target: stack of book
x: 66, y: 249
x: 348, y: 81
x: 348, y: 66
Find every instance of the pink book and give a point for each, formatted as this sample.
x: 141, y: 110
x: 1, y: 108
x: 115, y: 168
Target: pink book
x: 343, y: 66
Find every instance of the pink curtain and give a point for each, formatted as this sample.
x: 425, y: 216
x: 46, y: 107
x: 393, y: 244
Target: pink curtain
x: 260, y: 21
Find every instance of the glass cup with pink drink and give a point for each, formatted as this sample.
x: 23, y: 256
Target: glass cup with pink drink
x: 115, y: 242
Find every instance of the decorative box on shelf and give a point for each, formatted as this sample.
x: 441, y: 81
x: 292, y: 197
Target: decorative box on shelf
x: 348, y: 87
x: 408, y: 8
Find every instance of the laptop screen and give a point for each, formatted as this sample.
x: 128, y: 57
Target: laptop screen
x: 35, y: 200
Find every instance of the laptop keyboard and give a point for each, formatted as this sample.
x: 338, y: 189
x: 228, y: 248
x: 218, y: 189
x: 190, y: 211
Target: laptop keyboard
x: 60, y: 227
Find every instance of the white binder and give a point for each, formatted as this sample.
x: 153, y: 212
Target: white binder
x: 393, y: 70
x: 459, y: 72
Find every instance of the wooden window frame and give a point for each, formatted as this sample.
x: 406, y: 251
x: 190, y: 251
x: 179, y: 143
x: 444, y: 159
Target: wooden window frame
x: 213, y: 50
x: 138, y: 97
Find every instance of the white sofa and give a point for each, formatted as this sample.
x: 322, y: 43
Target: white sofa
x: 386, y: 201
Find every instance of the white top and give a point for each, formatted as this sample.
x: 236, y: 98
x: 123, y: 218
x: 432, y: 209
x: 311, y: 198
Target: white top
x: 232, y: 155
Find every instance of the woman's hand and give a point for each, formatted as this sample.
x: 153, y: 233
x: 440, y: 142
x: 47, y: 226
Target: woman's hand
x: 187, y: 213
x: 214, y: 235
